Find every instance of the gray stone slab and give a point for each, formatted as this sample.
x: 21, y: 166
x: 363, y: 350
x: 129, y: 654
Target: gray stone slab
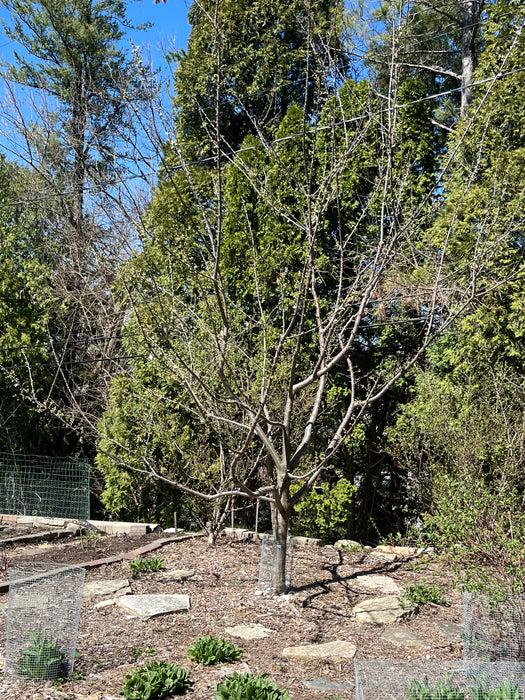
x: 377, y: 582
x: 451, y: 630
x: 382, y: 611
x: 326, y: 686
x: 147, y: 606
x: 403, y: 637
x: 336, y: 650
x: 248, y: 631
x: 179, y: 574
x: 106, y: 589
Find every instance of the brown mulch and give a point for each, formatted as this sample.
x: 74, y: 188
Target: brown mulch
x: 223, y: 594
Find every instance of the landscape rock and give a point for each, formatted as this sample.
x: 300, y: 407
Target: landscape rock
x: 335, y: 651
x: 378, y: 582
x: 403, y: 636
x: 349, y: 544
x: 382, y: 611
x: 325, y: 685
x: 180, y: 574
x: 248, y: 631
x: 147, y: 606
x: 451, y: 630
x: 106, y: 589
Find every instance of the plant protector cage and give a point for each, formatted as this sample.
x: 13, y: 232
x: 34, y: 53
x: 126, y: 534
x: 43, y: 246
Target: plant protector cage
x: 494, y: 638
x: 42, y: 620
x: 268, y: 568
x: 415, y: 679
x: 44, y: 486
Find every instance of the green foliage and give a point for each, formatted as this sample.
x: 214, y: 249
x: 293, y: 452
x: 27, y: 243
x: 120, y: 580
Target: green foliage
x: 209, y: 651
x: 141, y: 566
x: 137, y: 652
x: 421, y: 690
x: 43, y: 659
x: 323, y: 511
x: 505, y: 691
x: 245, y: 686
x: 423, y: 593
x: 159, y: 679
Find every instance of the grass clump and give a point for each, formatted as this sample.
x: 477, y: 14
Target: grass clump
x: 157, y: 680
x: 245, y: 686
x: 43, y: 659
x: 505, y: 691
x: 141, y: 566
x: 209, y: 651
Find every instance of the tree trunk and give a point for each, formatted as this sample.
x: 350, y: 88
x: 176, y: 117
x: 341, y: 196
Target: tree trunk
x: 471, y: 14
x: 281, y: 526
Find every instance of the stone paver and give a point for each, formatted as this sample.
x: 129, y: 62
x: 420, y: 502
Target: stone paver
x: 403, y: 637
x: 248, y: 631
x: 147, y: 606
x: 382, y: 611
x: 325, y: 685
x: 377, y: 582
x: 106, y: 589
x: 451, y: 630
x: 330, y: 650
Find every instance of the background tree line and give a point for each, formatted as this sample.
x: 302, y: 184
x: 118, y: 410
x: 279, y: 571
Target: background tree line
x: 309, y: 293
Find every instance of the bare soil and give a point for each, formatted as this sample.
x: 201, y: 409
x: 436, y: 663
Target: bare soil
x: 222, y: 592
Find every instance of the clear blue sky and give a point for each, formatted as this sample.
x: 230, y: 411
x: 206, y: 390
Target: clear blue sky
x: 170, y: 26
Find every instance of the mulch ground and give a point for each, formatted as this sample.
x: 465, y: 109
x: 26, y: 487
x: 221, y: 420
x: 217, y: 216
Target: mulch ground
x: 223, y: 594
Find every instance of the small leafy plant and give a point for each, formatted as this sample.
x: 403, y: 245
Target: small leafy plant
x: 140, y: 566
x: 417, y: 690
x: 245, y: 686
x: 43, y: 659
x: 157, y: 680
x: 209, y: 651
x: 136, y: 652
x: 505, y: 691
x: 424, y: 593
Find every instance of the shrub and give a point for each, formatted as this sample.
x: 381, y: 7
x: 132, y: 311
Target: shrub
x: 323, y: 512
x: 43, y: 659
x: 140, y: 566
x: 157, y: 680
x: 423, y: 594
x: 209, y: 651
x: 245, y: 686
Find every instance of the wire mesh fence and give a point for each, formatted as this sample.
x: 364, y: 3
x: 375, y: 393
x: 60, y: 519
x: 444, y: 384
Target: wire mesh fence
x: 43, y: 615
x: 44, y: 486
x: 432, y: 680
x: 494, y: 637
x: 269, y: 566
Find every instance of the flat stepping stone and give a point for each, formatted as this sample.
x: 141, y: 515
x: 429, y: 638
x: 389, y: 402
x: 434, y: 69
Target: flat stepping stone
x: 106, y: 589
x: 248, y: 631
x: 403, y: 637
x: 324, y: 685
x: 382, y: 611
x: 182, y: 574
x: 336, y: 651
x: 377, y: 582
x: 147, y: 606
x: 451, y: 630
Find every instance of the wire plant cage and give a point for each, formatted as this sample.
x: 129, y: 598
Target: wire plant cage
x: 43, y: 616
x: 44, y: 486
x: 494, y: 637
x: 268, y: 568
x: 429, y: 680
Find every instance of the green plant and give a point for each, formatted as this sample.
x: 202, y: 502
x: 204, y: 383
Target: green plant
x: 139, y: 651
x: 140, y: 566
x: 505, y: 691
x: 43, y: 659
x: 245, y: 686
x: 421, y: 690
x: 209, y: 651
x: 89, y: 539
x: 424, y: 593
x: 323, y: 512
x: 157, y: 680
